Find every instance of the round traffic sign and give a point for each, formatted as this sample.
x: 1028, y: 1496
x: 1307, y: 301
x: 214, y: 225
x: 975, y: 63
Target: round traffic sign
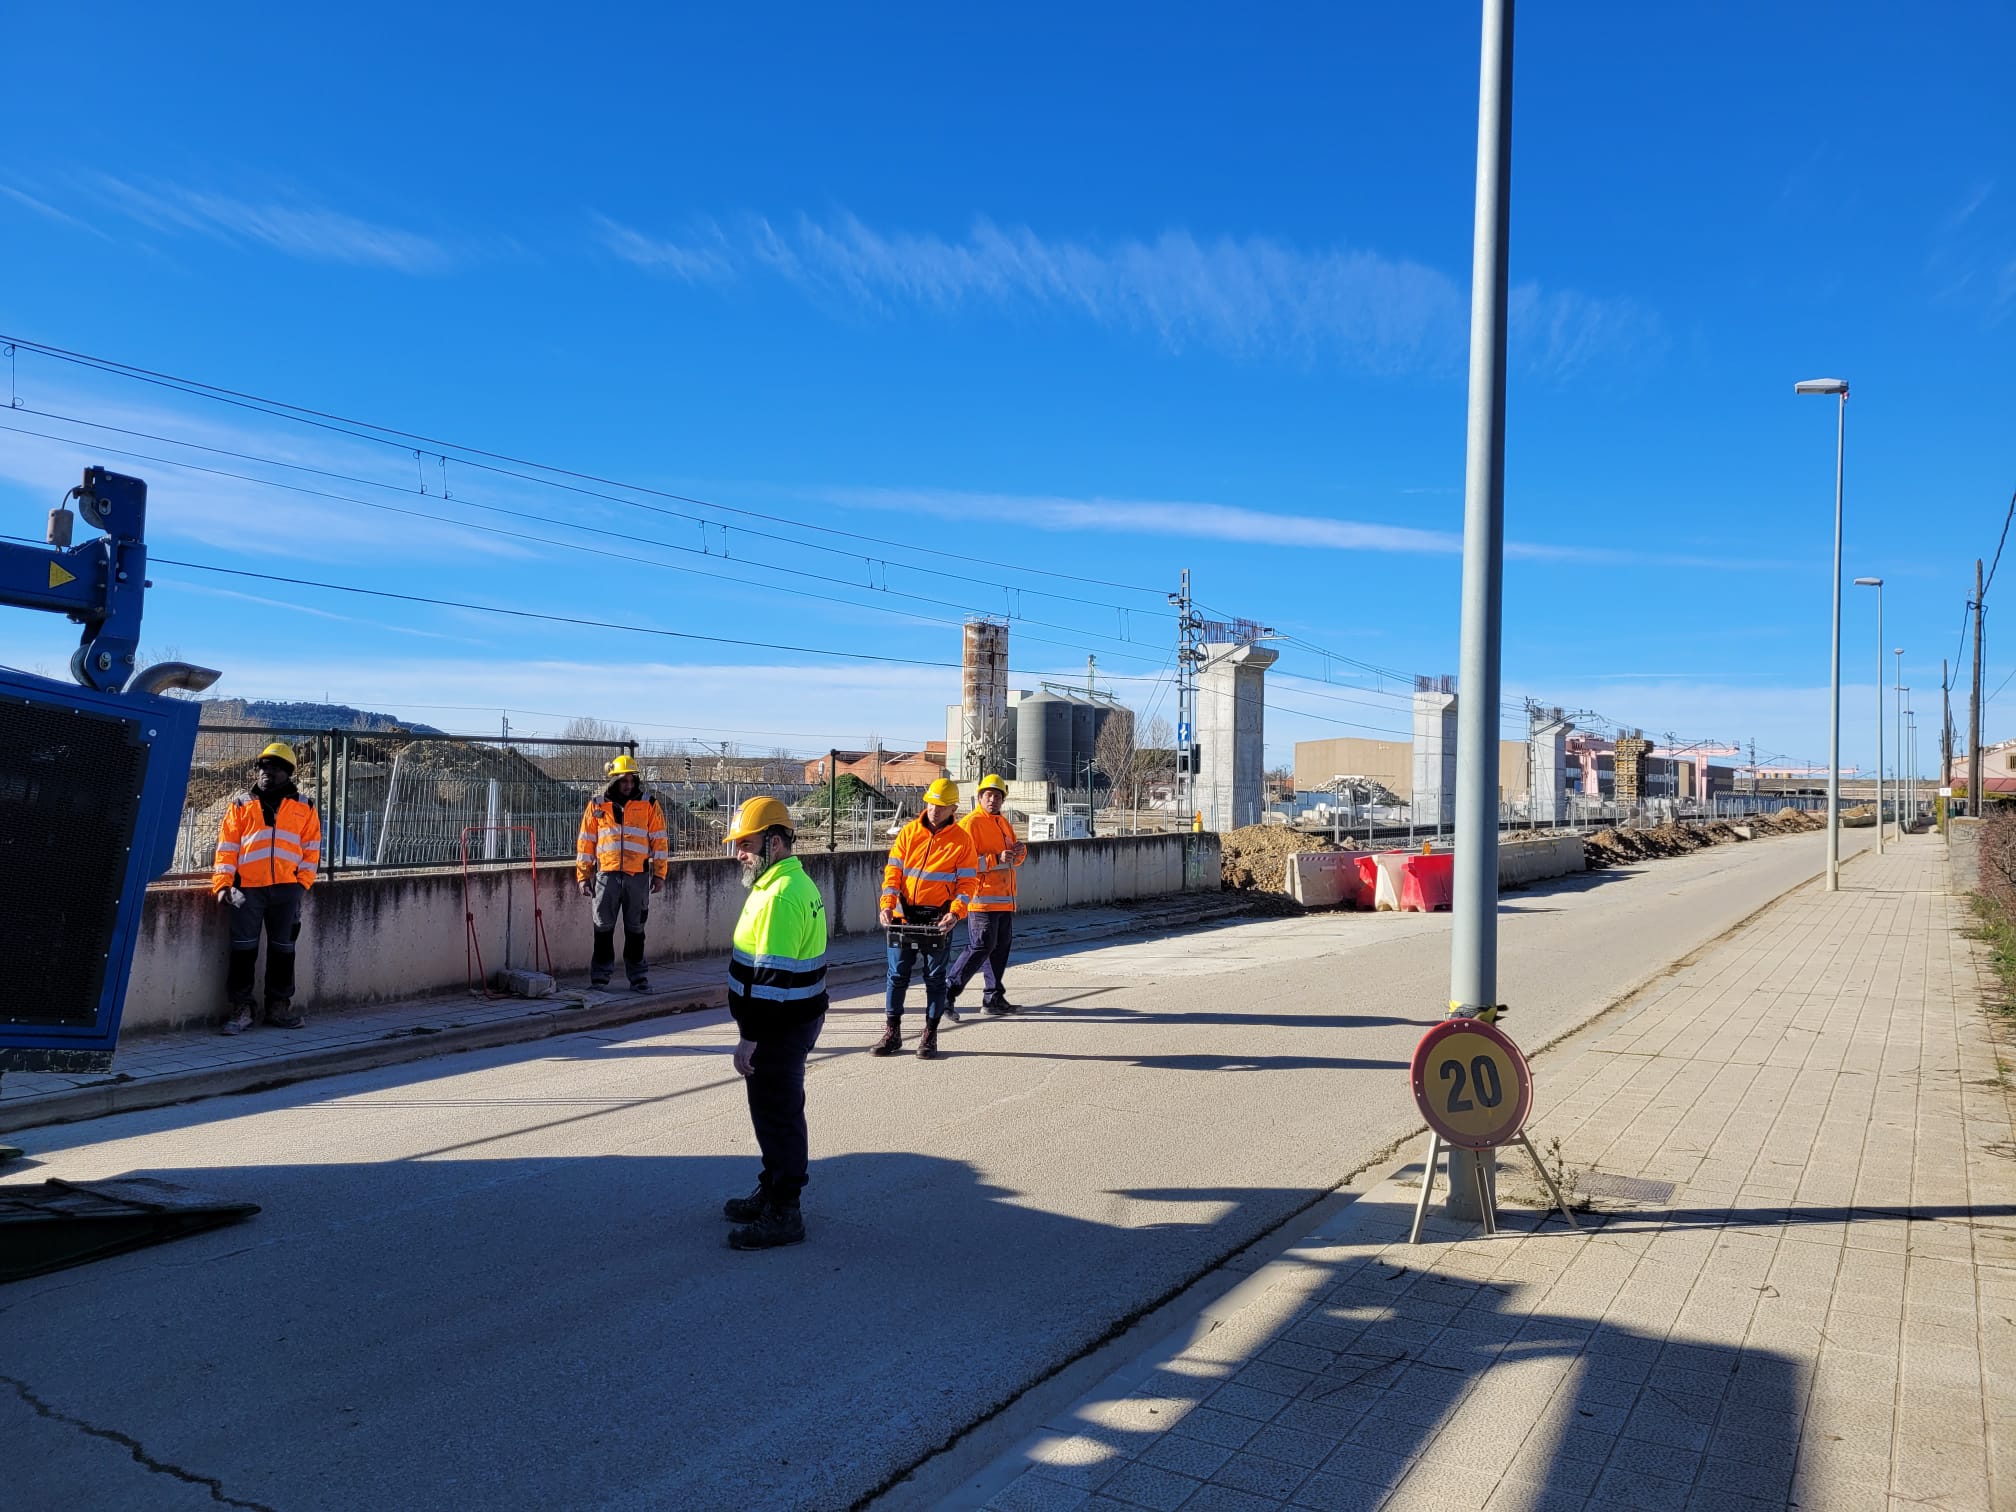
x: 1471, y: 1083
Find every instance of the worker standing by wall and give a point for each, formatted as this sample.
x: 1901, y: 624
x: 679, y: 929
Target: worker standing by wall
x: 927, y: 887
x: 269, y: 848
x: 990, y: 925
x: 777, y: 992
x: 620, y: 860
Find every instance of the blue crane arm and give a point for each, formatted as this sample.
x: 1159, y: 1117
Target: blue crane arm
x: 99, y: 584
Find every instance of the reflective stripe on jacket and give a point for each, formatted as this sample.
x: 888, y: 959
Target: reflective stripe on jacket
x: 777, y: 973
x: 934, y: 868
x: 252, y: 853
x: 994, y: 849
x: 626, y: 845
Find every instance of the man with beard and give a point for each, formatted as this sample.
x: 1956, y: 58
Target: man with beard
x: 620, y: 860
x: 777, y: 992
x: 269, y: 848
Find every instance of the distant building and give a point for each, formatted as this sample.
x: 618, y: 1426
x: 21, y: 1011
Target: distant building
x: 904, y: 769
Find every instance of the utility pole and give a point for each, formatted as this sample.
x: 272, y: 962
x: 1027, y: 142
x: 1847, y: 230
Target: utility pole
x: 1189, y: 626
x: 1976, y: 801
x: 1945, y: 739
x: 1473, y: 951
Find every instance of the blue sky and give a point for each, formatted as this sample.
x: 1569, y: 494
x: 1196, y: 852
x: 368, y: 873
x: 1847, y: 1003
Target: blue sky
x: 1107, y: 297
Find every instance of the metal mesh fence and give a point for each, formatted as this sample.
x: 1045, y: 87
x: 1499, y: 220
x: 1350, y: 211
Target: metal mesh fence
x: 394, y: 799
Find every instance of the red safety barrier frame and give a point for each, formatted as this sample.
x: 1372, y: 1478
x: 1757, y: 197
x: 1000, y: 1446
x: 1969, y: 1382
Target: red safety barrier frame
x: 472, y: 953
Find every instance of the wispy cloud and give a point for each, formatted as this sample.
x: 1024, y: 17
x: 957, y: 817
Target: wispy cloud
x: 1227, y: 522
x: 49, y: 212
x: 293, y: 227
x: 281, y: 221
x: 1242, y: 295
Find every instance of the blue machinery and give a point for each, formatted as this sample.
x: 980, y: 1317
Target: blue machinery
x: 92, y: 779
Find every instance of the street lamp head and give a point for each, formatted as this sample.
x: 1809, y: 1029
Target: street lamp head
x: 1822, y: 386
x: 1868, y: 582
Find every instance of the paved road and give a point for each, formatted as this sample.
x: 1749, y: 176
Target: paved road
x: 499, y: 1280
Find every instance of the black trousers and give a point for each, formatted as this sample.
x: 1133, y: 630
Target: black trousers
x: 776, y: 1088
x: 275, y: 911
x: 988, y: 936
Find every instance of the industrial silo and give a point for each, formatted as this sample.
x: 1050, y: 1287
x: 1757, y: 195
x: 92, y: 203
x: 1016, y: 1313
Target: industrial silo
x: 1043, y: 732
x: 1084, y: 736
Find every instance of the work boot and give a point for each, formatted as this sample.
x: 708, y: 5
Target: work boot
x: 891, y: 1041
x: 595, y: 981
x: 642, y: 984
x: 240, y: 1020
x: 774, y: 1227
x: 283, y: 1016
x: 927, y: 1047
x: 747, y: 1209
x: 1002, y: 1005
x: 952, y: 1003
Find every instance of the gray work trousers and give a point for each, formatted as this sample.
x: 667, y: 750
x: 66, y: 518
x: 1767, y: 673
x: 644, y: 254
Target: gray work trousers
x: 624, y: 895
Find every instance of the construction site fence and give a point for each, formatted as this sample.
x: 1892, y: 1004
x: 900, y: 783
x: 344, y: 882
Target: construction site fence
x: 396, y: 799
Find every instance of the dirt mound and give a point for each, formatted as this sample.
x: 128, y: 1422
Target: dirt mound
x: 1256, y: 858
x: 1619, y: 847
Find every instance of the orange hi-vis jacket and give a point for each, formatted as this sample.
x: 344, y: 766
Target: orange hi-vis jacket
x: 931, y: 868
x: 994, y: 845
x: 252, y: 854
x: 609, y: 844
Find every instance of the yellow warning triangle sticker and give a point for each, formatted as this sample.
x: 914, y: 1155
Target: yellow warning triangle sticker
x: 58, y: 577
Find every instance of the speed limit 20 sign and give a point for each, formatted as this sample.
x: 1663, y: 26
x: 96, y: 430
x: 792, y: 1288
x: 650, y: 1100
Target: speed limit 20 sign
x: 1471, y: 1084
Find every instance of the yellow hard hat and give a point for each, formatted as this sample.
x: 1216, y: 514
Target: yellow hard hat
x: 943, y: 792
x: 756, y: 816
x: 990, y: 783
x: 281, y: 749
x: 623, y: 766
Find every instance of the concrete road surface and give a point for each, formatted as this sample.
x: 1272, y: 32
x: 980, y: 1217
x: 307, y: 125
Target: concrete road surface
x: 499, y: 1280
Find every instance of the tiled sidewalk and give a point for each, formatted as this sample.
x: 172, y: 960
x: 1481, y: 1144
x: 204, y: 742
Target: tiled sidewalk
x: 156, y: 1069
x: 1818, y: 1315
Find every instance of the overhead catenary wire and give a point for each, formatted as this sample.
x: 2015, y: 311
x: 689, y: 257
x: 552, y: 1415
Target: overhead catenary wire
x: 845, y: 553
x: 585, y: 548
x: 369, y: 431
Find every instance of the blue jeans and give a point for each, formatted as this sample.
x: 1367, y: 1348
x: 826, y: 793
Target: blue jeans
x: 936, y: 956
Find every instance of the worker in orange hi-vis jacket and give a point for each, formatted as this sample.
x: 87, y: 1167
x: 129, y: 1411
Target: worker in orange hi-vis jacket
x: 269, y: 848
x: 990, y: 924
x: 926, y: 889
x: 621, y: 859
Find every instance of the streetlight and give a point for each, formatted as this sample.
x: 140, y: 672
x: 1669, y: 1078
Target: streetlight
x: 1839, y: 388
x: 1898, y: 652
x: 1877, y: 584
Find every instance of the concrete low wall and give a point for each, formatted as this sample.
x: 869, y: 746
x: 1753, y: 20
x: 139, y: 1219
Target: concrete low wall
x: 1328, y: 879
x: 1963, y: 854
x: 381, y: 936
x: 1523, y: 861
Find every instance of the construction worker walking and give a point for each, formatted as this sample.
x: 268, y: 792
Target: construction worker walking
x: 777, y: 992
x: 990, y: 925
x: 621, y: 860
x: 927, y: 888
x: 269, y: 848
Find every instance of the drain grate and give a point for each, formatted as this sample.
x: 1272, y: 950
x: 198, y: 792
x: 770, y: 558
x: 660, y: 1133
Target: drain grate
x: 1625, y: 1188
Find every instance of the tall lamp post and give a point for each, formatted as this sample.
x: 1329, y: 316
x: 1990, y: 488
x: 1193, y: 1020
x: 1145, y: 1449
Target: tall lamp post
x: 1839, y: 388
x: 1877, y: 584
x: 1898, y: 652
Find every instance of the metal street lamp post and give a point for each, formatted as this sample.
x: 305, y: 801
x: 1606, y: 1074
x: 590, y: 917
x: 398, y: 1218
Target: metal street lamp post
x: 1898, y: 652
x: 1839, y: 388
x: 1877, y: 584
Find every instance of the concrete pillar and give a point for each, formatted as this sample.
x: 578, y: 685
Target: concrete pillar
x: 1231, y: 720
x: 1435, y: 752
x: 1547, y: 741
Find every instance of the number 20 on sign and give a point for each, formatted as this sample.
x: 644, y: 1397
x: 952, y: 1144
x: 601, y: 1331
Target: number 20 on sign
x: 1471, y: 1084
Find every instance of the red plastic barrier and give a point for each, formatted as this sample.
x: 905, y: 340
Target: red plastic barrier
x: 1427, y: 883
x: 1368, y: 883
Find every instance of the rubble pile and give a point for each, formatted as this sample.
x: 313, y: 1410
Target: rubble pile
x: 1255, y: 858
x: 1620, y: 847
